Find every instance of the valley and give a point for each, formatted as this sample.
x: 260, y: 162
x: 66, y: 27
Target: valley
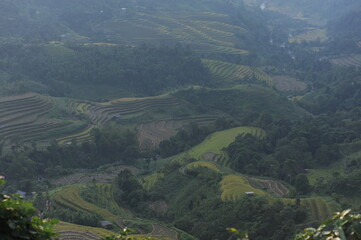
x: 180, y: 119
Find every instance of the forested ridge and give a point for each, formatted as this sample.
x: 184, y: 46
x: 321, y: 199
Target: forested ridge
x: 139, y: 71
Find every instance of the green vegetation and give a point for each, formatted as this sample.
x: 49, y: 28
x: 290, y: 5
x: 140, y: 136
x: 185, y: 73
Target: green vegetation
x: 160, y: 70
x: 216, y: 142
x: 151, y: 180
x: 201, y: 115
x: 234, y: 187
x: 344, y: 225
x: 203, y: 164
x: 230, y: 72
x: 18, y: 220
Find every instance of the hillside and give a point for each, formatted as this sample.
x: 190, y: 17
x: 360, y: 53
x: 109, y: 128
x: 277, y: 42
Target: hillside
x: 180, y: 119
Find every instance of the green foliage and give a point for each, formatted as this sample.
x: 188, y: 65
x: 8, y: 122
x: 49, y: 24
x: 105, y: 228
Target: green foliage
x: 18, y: 220
x: 343, y: 226
x: 302, y: 185
x: 110, y: 144
x: 255, y: 101
x: 130, y: 191
x: 140, y: 70
x: 183, y: 140
x: 75, y: 216
x: 237, y: 234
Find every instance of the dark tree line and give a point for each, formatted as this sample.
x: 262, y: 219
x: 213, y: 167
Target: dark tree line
x: 139, y: 70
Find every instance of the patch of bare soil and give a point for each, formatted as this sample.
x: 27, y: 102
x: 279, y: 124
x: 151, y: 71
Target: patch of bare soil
x: 209, y: 156
x: 288, y: 84
x: 105, y: 177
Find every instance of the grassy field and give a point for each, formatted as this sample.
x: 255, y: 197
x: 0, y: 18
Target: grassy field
x: 233, y: 187
x: 198, y: 164
x: 217, y: 141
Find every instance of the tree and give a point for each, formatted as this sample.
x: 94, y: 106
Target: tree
x: 301, y: 183
x: 18, y: 220
x: 343, y: 226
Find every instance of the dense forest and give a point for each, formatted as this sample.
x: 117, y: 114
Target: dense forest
x: 139, y: 71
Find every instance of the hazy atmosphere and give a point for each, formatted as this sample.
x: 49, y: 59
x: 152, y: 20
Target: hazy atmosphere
x: 180, y: 119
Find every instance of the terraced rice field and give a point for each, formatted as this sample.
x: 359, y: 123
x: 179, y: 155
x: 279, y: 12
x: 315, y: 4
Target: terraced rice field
x: 106, y: 176
x: 272, y: 186
x: 320, y: 209
x: 198, y: 164
x: 102, y: 113
x: 69, y: 197
x: 227, y: 71
x: 194, y: 31
x: 214, y: 144
x: 234, y: 187
x: 69, y: 231
x: 80, y: 137
x: 151, y: 134
x: 75, y: 235
x: 163, y: 232
x: 24, y: 118
x: 104, y: 198
x: 310, y: 35
x: 347, y: 61
x: 215, y: 49
x: 231, y: 72
x: 210, y: 30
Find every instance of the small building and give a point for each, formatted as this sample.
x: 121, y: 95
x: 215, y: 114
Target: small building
x: 106, y: 224
x: 249, y: 193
